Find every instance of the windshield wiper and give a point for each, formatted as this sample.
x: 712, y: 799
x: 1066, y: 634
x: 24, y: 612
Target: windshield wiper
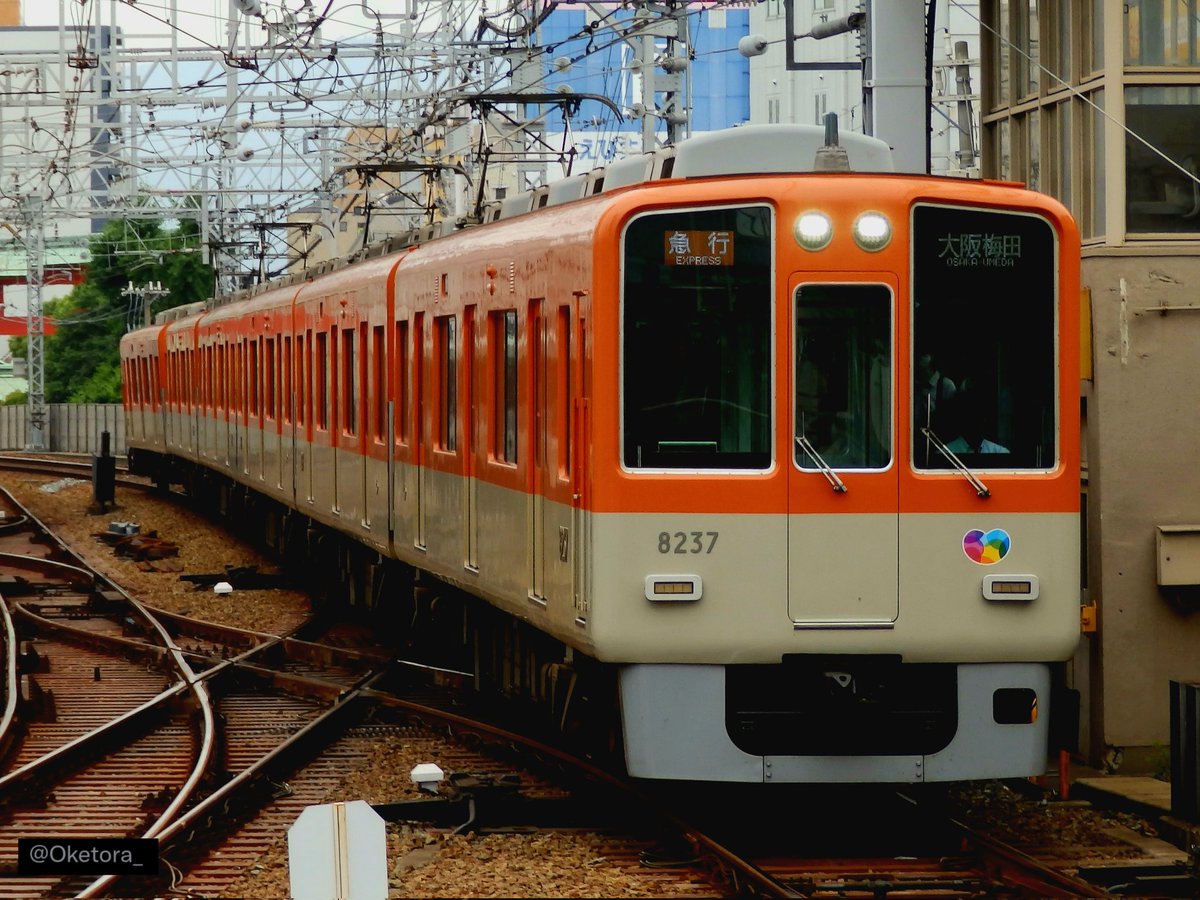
x: 980, y: 487
x: 806, y: 445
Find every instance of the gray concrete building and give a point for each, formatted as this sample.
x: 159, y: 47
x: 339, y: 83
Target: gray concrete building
x: 1098, y: 103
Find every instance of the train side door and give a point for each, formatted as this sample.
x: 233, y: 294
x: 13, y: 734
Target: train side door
x: 311, y: 399
x: 541, y: 469
x: 471, y: 501
x: 580, y: 440
x: 843, y: 486
x: 419, y: 437
x: 237, y: 429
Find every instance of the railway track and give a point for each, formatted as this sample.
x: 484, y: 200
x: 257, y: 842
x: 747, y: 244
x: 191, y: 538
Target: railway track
x: 277, y: 720
x: 296, y: 715
x: 112, y: 728
x: 64, y: 466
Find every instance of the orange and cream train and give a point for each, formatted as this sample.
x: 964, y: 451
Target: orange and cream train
x: 781, y: 464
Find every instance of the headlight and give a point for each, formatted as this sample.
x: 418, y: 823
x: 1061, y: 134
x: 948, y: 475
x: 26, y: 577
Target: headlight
x: 813, y: 230
x: 872, y: 231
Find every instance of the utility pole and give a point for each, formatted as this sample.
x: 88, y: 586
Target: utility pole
x: 144, y: 298
x: 962, y: 88
x: 672, y: 25
x: 35, y: 259
x: 895, y: 85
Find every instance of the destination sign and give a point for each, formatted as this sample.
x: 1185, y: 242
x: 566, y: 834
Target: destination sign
x: 998, y: 251
x: 698, y: 248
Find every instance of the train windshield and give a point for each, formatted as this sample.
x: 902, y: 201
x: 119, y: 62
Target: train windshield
x: 696, y: 348
x: 984, y: 364
x: 843, y: 376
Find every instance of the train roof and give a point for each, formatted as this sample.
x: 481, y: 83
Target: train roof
x: 745, y: 150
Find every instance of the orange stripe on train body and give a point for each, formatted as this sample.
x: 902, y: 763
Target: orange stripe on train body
x: 583, y: 239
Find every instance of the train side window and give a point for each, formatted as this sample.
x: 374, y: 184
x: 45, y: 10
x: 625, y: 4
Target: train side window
x: 503, y: 353
x: 321, y: 380
x: 379, y: 383
x: 843, y: 375
x: 402, y: 356
x: 446, y: 337
x: 563, y: 386
x: 984, y: 318
x: 192, y: 381
x: 333, y: 383
x: 243, y: 388
x: 469, y: 357
x: 253, y: 376
x: 349, y: 407
x: 303, y: 382
x: 696, y: 327
x: 288, y: 407
x: 269, y: 379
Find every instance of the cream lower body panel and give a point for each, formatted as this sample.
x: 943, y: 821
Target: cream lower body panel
x: 673, y: 718
x: 753, y: 607
x: 492, y: 545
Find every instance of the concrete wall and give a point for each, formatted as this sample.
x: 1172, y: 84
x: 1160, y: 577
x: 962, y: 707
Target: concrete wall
x: 74, y: 427
x: 1143, y: 409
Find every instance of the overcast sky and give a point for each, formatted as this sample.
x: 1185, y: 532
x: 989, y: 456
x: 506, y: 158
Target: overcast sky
x: 207, y: 21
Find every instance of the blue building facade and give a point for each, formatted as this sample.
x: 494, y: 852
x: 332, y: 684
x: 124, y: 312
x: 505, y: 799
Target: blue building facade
x: 717, y: 85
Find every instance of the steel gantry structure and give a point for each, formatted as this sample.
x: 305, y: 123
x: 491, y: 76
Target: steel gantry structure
x: 288, y: 131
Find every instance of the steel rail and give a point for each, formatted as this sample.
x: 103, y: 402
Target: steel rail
x: 206, y: 751
x: 11, y: 684
x: 1016, y: 866
x: 744, y: 872
x: 187, y: 826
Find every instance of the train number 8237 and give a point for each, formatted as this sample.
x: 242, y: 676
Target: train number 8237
x: 687, y: 541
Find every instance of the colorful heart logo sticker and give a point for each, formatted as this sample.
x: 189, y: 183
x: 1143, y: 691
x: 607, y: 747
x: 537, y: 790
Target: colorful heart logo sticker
x: 988, y: 547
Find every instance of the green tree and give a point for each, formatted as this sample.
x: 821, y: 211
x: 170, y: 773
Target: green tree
x: 82, y: 359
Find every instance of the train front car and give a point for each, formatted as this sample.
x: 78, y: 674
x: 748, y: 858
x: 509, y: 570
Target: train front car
x: 835, y: 510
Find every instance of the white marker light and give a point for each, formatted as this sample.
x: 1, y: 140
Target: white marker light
x: 427, y: 776
x: 872, y: 231
x: 813, y: 230
x: 673, y: 588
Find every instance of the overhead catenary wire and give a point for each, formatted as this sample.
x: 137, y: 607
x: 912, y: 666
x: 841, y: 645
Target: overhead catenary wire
x: 306, y: 66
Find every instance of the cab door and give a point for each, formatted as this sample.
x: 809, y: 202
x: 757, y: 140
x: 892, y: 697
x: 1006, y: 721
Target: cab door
x: 843, y: 487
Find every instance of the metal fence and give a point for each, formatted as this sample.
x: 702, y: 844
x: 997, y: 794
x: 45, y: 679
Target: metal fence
x: 72, y: 428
